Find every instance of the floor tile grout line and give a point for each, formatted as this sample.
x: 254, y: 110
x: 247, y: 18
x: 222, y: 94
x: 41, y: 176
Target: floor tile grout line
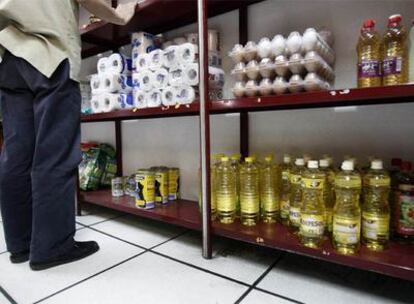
x: 90, y: 277
x: 278, y: 295
x: 259, y: 279
x: 170, y: 239
x: 7, y: 296
x: 102, y: 221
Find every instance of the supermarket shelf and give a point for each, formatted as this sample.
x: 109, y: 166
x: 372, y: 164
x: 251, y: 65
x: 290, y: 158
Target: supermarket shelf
x: 153, y: 16
x: 396, y: 261
x: 337, y: 98
x: 182, y: 213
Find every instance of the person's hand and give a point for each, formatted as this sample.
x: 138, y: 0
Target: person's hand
x: 126, y: 11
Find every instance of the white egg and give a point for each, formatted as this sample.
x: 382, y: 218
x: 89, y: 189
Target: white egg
x: 252, y: 70
x: 267, y: 68
x: 250, y: 51
x: 310, y: 40
x: 265, y: 87
x: 237, y: 53
x: 239, y: 89
x: 251, y: 88
x: 279, y: 85
x: 264, y: 48
x: 278, y: 45
x: 281, y: 65
x: 295, y: 84
x: 294, y: 43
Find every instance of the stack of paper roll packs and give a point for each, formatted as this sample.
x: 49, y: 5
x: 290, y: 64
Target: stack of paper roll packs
x: 170, y: 77
x: 300, y: 62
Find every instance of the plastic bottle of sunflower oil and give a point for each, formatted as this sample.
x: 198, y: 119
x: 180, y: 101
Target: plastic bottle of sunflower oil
x: 312, y: 212
x: 249, y: 192
x: 328, y: 193
x: 269, y: 193
x: 411, y: 54
x: 285, y: 169
x: 226, y: 191
x: 395, y: 50
x: 296, y: 194
x: 213, y: 185
x: 235, y: 162
x: 376, y: 209
x: 346, y: 228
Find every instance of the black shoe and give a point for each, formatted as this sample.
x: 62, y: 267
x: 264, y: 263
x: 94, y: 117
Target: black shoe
x: 19, y: 257
x: 79, y: 251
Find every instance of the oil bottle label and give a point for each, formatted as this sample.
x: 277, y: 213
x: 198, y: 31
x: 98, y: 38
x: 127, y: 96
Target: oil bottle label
x: 369, y: 68
x: 161, y: 187
x: 392, y: 65
x: 144, y: 192
x: 313, y: 183
x: 173, y: 184
x: 375, y: 226
x: 312, y: 225
x: 249, y: 206
x: 404, y: 214
x: 346, y: 230
x: 226, y: 203
x: 328, y: 219
x: 295, y: 178
x: 294, y: 216
x: 383, y: 182
x: 348, y: 183
x: 284, y: 208
x: 285, y: 175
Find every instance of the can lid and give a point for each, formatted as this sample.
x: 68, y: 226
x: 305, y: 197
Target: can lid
x: 286, y: 159
x: 347, y: 165
x: 313, y: 164
x: 249, y: 159
x: 406, y: 166
x: 269, y: 159
x: 299, y: 162
x: 396, y: 162
x: 225, y: 159
x: 377, y: 164
x: 369, y: 23
x: 324, y: 163
x: 394, y: 19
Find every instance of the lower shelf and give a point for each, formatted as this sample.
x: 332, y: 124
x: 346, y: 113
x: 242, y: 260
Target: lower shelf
x: 396, y: 261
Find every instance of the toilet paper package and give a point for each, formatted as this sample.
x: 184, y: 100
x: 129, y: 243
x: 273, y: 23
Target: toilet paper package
x: 117, y: 83
x: 170, y: 57
x: 155, y: 60
x: 176, y: 76
x: 142, y: 62
x: 142, y: 42
x: 114, y: 102
x: 185, y: 94
x: 96, y: 84
x: 160, y: 78
x: 154, y: 98
x: 168, y: 97
x: 102, y: 65
x: 97, y: 104
x: 216, y: 78
x: 136, y: 80
x: 191, y: 74
x: 140, y: 99
x: 119, y: 63
x: 187, y: 53
x: 145, y: 79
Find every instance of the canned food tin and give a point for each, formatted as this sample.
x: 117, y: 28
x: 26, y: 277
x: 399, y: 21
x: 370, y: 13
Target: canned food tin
x: 173, y: 184
x: 117, y: 187
x: 130, y: 185
x: 144, y: 191
x: 161, y: 185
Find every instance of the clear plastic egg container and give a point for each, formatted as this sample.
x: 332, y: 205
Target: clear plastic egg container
x: 264, y: 48
x: 239, y: 89
x: 252, y: 70
x: 239, y: 72
x: 296, y: 84
x: 265, y: 87
x: 278, y: 46
x: 313, y: 82
x: 237, y: 53
x: 267, y: 68
x: 314, y: 63
x: 296, y: 64
x: 281, y: 66
x: 251, y: 88
x: 250, y: 51
x: 312, y: 41
x: 280, y: 85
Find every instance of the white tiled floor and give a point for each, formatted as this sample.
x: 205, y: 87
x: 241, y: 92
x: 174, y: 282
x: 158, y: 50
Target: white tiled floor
x: 94, y: 214
x: 174, y: 272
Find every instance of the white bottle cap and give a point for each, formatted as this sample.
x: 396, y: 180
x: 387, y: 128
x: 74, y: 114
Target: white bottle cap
x: 286, y: 159
x: 347, y: 165
x: 313, y: 164
x: 324, y: 163
x: 377, y: 164
x: 299, y: 162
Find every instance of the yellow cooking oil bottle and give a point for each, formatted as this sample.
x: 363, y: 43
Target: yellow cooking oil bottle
x: 295, y: 202
x: 226, y: 191
x: 284, y: 187
x: 369, y: 56
x: 395, y: 52
x: 235, y: 162
x: 328, y: 192
x: 312, y: 212
x: 346, y: 228
x: 213, y: 185
x: 375, y: 208
x: 269, y: 191
x: 249, y: 192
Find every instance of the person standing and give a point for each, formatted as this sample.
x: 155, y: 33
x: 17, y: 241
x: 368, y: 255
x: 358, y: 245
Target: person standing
x: 40, y: 50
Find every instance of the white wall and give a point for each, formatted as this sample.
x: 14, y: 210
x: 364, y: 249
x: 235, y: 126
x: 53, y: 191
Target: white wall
x: 384, y: 131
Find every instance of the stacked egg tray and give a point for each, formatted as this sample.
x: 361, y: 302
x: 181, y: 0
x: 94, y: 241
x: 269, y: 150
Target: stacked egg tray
x: 298, y: 63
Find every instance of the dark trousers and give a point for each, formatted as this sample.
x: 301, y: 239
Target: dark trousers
x: 39, y: 159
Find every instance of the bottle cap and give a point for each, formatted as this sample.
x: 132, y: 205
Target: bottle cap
x: 406, y: 166
x: 324, y: 163
x: 377, y: 164
x: 313, y: 164
x: 347, y: 165
x: 369, y: 23
x: 286, y: 159
x: 225, y: 159
x: 269, y: 159
x: 236, y: 156
x: 394, y: 19
x: 249, y: 159
x: 299, y: 162
x: 396, y: 162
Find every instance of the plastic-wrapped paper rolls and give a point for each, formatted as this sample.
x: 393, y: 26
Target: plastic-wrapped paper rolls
x: 154, y: 98
x: 142, y: 42
x: 102, y: 66
x: 185, y: 94
x: 142, y: 62
x: 125, y: 101
x: 117, y: 83
x: 187, y: 53
x: 119, y: 63
x: 191, y: 74
x: 176, y: 76
x: 134, y: 57
x: 168, y: 97
x: 96, y: 83
x: 136, y: 80
x: 156, y: 59
x: 145, y: 80
x: 110, y: 103
x: 97, y: 104
x: 170, y: 57
x: 216, y: 78
x: 160, y: 78
x: 140, y: 99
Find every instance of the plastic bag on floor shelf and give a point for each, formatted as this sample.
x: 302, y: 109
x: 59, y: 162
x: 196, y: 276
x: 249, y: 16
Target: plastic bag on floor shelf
x: 110, y: 165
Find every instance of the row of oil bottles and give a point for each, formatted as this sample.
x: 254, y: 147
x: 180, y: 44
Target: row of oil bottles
x: 311, y: 197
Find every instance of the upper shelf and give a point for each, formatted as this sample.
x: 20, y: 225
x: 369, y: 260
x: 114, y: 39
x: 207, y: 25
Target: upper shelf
x: 153, y: 16
x: 337, y: 98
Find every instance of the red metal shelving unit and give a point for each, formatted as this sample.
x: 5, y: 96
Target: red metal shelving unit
x: 156, y: 16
